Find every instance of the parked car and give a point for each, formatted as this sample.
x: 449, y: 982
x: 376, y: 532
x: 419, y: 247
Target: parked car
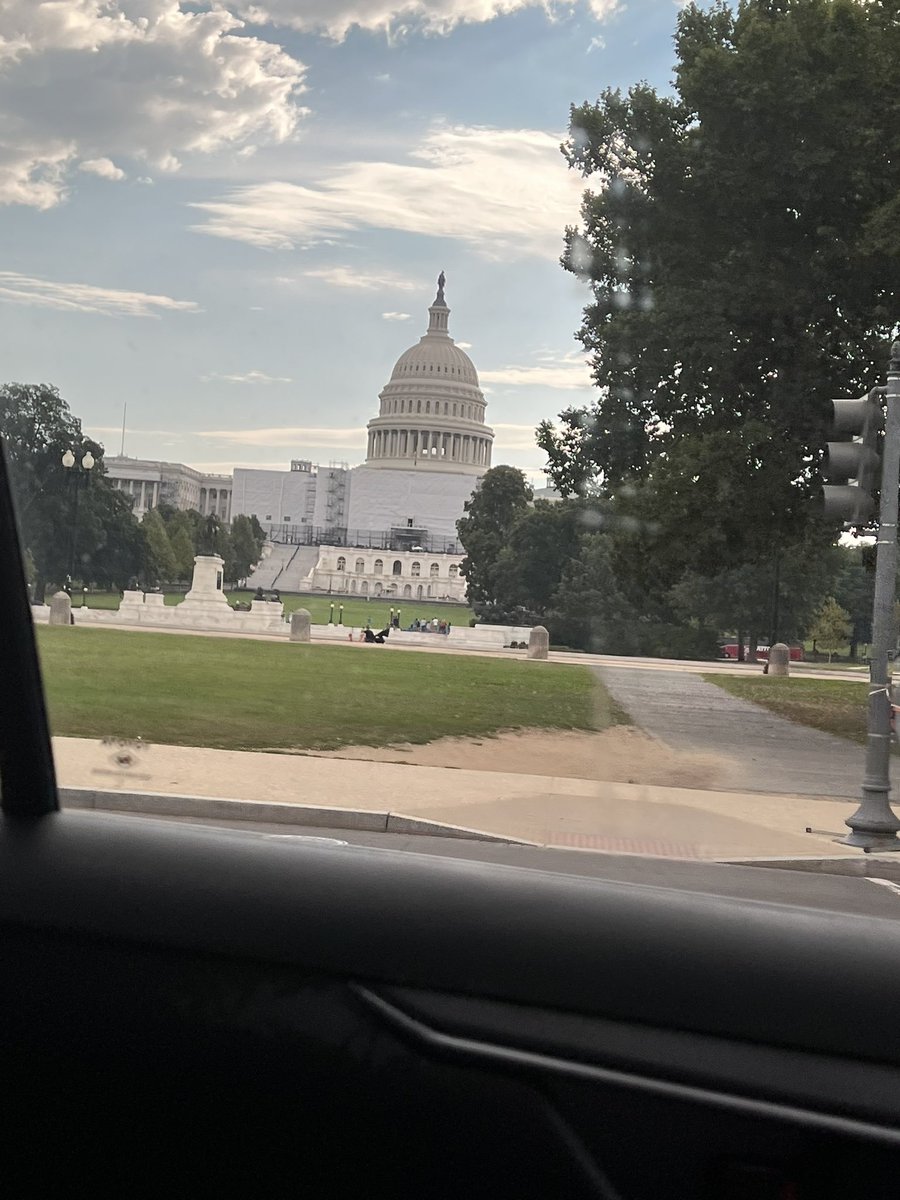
x: 730, y: 650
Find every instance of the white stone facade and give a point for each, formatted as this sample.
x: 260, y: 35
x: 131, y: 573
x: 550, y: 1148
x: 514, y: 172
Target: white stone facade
x: 152, y: 483
x: 388, y: 574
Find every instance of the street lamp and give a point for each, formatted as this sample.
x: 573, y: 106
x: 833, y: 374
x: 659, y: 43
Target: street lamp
x: 84, y: 468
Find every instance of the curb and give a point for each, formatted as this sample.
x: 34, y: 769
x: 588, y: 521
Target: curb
x: 866, y: 866
x: 160, y: 804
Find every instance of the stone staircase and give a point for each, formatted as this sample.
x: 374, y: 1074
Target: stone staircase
x: 285, y: 568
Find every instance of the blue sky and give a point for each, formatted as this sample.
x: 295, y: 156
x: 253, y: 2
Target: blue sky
x: 231, y: 216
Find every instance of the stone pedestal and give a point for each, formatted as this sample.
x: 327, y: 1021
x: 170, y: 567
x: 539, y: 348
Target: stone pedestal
x: 301, y: 625
x: 60, y: 609
x: 154, y: 600
x: 206, y: 596
x: 131, y: 600
x: 779, y: 659
x: 538, y: 642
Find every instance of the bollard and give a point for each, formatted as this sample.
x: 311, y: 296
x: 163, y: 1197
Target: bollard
x: 538, y: 642
x: 60, y: 609
x: 779, y: 659
x: 301, y: 624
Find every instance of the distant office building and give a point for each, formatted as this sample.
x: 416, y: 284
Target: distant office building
x: 153, y: 483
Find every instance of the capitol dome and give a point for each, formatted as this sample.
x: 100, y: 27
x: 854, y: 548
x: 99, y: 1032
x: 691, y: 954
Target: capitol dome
x: 432, y: 410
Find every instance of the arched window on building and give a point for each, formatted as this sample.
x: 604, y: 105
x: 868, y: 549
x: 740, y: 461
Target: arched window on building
x: 435, y: 570
x: 418, y: 406
x: 364, y: 588
x: 407, y: 590
x: 446, y: 406
x: 419, y: 592
x: 416, y: 569
x: 378, y: 589
x: 342, y: 563
x: 352, y: 585
x: 454, y: 571
x: 379, y: 566
x: 428, y: 406
x: 360, y: 566
x: 397, y: 568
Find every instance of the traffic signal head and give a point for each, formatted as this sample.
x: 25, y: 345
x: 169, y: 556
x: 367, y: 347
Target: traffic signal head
x: 853, y: 466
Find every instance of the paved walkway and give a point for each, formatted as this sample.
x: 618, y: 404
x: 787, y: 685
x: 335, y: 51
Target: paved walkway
x: 759, y: 752
x: 552, y: 811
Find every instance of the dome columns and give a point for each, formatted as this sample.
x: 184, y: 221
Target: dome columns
x: 429, y: 445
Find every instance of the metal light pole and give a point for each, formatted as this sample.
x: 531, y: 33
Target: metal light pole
x: 874, y: 825
x: 86, y: 465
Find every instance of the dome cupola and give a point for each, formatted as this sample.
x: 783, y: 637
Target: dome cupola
x: 432, y: 410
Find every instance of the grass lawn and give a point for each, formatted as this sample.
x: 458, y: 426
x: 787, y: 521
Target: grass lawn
x: 356, y: 611
x: 246, y: 695
x: 832, y: 705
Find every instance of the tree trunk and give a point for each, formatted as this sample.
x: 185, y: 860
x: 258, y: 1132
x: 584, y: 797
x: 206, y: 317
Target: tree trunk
x: 40, y: 587
x: 751, y: 657
x: 741, y: 656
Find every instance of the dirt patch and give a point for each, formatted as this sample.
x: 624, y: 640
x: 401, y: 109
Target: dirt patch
x: 621, y: 754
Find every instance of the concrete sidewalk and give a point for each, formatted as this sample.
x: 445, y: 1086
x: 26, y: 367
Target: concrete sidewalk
x: 758, y: 751
x: 547, y: 810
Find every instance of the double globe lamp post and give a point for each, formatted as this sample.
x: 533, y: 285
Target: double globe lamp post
x: 75, y: 472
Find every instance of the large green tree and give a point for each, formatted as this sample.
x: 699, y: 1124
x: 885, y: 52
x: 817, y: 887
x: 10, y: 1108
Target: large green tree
x: 244, y: 549
x: 539, y: 547
x: 743, y: 251
x: 502, y: 496
x: 38, y: 428
x: 161, y: 562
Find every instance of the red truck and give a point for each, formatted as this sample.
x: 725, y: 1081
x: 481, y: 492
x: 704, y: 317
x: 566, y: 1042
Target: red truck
x: 730, y: 650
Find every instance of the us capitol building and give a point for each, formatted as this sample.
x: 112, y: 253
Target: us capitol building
x: 426, y: 451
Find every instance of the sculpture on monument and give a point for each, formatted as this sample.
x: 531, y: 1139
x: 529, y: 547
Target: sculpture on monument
x: 442, y: 279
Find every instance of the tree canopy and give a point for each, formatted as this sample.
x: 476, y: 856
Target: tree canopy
x: 741, y: 241
x: 38, y: 428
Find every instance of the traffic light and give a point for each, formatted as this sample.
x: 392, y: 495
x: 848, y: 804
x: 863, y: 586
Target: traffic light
x: 857, y: 458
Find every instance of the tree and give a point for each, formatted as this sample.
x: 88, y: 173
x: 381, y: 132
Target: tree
x: 854, y: 590
x: 160, y: 563
x: 743, y: 254
x: 742, y: 600
x: 589, y: 610
x: 831, y: 626
x: 244, y: 551
x: 38, y: 428
x: 540, y: 544
x: 500, y: 499
x: 182, y: 550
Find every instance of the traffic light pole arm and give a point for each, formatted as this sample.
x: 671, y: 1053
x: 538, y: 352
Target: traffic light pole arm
x: 874, y: 825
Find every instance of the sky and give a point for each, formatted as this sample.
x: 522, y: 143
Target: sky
x: 229, y: 217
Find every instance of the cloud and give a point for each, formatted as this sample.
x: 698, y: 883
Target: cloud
x: 364, y: 281
x: 91, y: 82
x: 396, y: 316
x: 294, y: 436
x: 566, y: 372
x: 104, y: 167
x: 514, y: 437
x: 248, y: 377
x: 464, y: 345
x: 506, y: 192
x: 84, y: 297
x: 395, y: 18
